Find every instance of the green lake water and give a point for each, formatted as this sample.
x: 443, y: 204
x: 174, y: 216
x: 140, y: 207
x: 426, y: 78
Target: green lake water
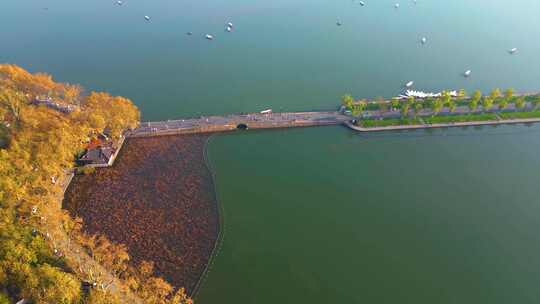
x: 327, y: 215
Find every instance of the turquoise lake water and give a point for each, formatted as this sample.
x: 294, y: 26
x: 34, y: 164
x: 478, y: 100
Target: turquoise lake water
x: 282, y: 54
x: 327, y: 215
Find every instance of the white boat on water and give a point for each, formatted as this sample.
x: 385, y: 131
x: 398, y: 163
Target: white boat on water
x: 267, y: 111
x: 467, y: 73
x: 423, y: 40
x: 362, y: 3
x: 230, y: 25
x: 424, y: 95
x: 409, y: 84
x: 513, y: 51
x: 147, y: 18
x: 209, y: 37
x: 396, y: 5
x: 119, y: 2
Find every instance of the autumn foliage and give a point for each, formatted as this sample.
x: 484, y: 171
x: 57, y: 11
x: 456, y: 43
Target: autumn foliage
x: 37, y: 145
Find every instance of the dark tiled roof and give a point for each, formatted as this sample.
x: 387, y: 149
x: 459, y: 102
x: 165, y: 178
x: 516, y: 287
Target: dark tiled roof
x: 100, y: 155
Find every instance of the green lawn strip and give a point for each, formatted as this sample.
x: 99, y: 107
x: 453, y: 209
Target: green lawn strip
x: 520, y: 115
x: 440, y: 119
x: 460, y: 118
x: 372, y: 123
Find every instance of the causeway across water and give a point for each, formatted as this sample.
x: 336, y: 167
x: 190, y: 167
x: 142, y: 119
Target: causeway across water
x: 207, y: 124
x: 240, y: 121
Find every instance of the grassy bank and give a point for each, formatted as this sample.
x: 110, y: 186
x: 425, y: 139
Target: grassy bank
x: 520, y: 115
x: 460, y: 118
x: 446, y: 119
x: 372, y: 123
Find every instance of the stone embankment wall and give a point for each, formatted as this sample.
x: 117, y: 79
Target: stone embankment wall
x: 306, y: 119
x: 195, y: 130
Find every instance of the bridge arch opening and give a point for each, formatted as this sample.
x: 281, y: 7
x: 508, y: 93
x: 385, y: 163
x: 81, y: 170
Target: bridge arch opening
x: 242, y: 126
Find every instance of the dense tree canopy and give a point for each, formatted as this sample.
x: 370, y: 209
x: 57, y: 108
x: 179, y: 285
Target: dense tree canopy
x: 487, y: 103
x: 37, y: 145
x: 114, y: 113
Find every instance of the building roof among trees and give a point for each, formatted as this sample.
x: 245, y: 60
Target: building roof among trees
x: 97, y: 155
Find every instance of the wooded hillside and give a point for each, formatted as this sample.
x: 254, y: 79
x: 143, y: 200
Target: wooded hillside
x: 42, y: 250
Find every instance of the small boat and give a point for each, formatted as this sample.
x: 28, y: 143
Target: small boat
x: 513, y: 51
x: 362, y: 3
x: 267, y: 111
x: 467, y: 73
x: 396, y: 5
x: 229, y: 29
x: 424, y: 40
x: 119, y: 2
x: 338, y: 23
x: 209, y: 37
x: 189, y: 33
x: 230, y: 25
x: 147, y: 18
x: 409, y: 84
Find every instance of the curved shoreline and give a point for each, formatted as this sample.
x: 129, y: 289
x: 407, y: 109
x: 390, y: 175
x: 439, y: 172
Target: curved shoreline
x: 159, y: 200
x: 221, y: 222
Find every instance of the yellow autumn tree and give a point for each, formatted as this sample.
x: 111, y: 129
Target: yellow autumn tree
x: 42, y: 144
x: 118, y: 113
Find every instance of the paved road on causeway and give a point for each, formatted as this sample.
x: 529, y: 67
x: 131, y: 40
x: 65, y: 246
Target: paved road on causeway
x: 232, y: 122
x: 207, y: 124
